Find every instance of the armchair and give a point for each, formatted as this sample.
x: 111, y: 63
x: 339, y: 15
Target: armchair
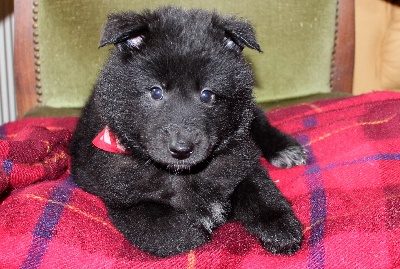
x: 56, y: 56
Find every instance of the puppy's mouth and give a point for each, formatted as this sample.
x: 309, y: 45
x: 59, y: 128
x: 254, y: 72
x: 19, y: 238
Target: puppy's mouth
x: 182, y: 168
x: 178, y: 148
x: 190, y: 161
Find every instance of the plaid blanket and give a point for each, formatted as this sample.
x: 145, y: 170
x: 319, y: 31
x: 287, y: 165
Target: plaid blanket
x: 31, y: 152
x: 347, y: 197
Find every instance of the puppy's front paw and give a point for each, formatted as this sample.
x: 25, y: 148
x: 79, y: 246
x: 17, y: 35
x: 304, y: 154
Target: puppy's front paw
x: 283, y: 235
x: 290, y: 156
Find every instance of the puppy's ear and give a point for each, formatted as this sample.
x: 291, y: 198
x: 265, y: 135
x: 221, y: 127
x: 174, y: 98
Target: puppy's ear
x: 126, y: 29
x: 239, y: 34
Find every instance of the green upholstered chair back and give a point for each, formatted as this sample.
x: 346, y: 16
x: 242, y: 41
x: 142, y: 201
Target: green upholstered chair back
x: 297, y: 37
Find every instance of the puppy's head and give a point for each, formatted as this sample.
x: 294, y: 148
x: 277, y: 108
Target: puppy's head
x: 176, y: 88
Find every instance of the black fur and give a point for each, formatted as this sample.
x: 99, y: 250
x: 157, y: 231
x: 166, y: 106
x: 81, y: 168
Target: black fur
x: 177, y: 92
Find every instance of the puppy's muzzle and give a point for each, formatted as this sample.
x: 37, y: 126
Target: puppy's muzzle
x: 183, y: 141
x: 181, y: 149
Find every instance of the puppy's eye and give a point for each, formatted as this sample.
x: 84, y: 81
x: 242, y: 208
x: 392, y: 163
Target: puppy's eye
x: 156, y: 93
x: 206, y: 96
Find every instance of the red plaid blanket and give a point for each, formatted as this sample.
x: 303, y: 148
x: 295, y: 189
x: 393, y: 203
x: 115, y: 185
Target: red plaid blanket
x: 347, y: 197
x: 30, y: 152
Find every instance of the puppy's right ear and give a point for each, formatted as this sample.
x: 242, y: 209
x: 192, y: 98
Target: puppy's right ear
x: 126, y: 28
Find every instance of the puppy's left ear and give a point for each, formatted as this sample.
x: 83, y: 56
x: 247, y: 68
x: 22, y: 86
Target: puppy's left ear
x: 239, y: 34
x: 127, y: 27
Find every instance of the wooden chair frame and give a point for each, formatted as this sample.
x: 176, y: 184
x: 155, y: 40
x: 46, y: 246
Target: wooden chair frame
x: 27, y: 53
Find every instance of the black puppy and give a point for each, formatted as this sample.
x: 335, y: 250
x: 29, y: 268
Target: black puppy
x: 176, y: 95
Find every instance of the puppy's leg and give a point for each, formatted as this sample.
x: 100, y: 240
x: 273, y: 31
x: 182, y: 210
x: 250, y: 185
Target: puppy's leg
x: 265, y: 213
x: 280, y: 149
x: 159, y: 229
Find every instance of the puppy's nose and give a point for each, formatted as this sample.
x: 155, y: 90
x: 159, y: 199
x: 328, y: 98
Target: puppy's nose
x: 181, y: 149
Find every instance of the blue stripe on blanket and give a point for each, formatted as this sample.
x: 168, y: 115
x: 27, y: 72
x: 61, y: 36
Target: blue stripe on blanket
x: 316, y: 257
x: 7, y: 166
x: 47, y: 223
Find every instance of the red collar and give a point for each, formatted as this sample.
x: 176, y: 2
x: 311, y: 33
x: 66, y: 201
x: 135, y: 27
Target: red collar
x: 107, y: 141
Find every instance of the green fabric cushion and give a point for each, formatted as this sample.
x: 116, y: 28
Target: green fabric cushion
x: 297, y: 38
